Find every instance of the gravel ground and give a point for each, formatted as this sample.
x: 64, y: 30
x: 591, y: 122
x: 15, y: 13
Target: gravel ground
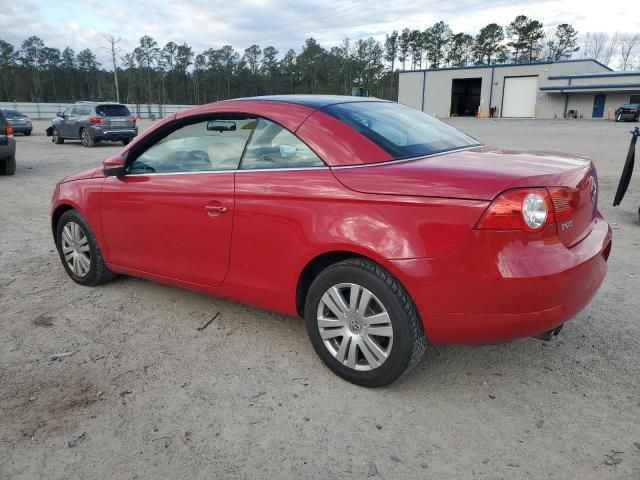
x: 147, y: 395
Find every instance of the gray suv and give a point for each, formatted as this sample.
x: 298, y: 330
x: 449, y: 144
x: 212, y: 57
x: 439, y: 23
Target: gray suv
x: 92, y: 122
x: 7, y: 147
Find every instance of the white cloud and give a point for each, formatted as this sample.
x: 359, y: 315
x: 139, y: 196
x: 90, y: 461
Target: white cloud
x: 284, y: 24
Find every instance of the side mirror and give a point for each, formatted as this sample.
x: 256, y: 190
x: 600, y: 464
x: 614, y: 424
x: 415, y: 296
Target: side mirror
x: 59, y: 114
x: 288, y: 151
x: 114, y: 167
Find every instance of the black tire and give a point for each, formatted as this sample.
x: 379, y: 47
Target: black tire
x: 8, y: 166
x: 126, y: 141
x: 98, y: 272
x: 409, y: 340
x: 56, y: 138
x: 87, y: 140
x: 27, y: 133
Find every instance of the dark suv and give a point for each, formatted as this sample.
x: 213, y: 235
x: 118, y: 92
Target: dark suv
x: 628, y: 111
x: 92, y: 122
x: 7, y: 147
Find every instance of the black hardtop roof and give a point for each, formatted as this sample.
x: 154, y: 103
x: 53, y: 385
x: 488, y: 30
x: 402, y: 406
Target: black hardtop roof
x: 313, y: 101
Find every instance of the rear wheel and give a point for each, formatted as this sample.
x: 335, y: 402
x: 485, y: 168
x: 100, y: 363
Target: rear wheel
x: 126, y: 141
x: 56, y: 138
x: 87, y: 140
x: 362, y: 323
x: 8, y: 166
x: 27, y: 133
x: 79, y: 251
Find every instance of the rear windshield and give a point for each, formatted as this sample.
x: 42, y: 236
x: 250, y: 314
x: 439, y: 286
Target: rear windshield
x: 113, y: 111
x: 12, y: 114
x: 401, y: 131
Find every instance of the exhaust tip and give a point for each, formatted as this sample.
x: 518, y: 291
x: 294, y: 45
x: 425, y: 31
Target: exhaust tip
x: 549, y: 334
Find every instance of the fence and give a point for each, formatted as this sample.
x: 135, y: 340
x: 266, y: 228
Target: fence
x: 49, y: 110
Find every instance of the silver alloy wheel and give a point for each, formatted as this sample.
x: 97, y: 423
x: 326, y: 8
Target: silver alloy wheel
x: 85, y: 138
x: 75, y: 248
x: 54, y: 135
x: 355, y: 326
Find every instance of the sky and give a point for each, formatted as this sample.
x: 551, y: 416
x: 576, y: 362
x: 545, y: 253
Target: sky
x: 284, y: 24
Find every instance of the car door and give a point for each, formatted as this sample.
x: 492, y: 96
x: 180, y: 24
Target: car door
x: 171, y: 214
x: 61, y: 123
x: 75, y: 122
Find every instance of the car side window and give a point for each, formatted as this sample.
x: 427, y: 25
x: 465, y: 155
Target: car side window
x: 273, y: 146
x: 81, y: 110
x: 208, y: 145
x: 68, y: 111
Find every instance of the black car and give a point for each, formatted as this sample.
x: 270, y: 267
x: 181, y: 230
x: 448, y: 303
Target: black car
x: 628, y: 111
x: 7, y: 147
x: 19, y: 121
x: 92, y: 122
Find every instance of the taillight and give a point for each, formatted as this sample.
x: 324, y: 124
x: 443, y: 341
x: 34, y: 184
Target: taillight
x: 562, y: 199
x: 528, y: 209
x: 134, y: 119
x: 9, y: 130
x: 96, y: 120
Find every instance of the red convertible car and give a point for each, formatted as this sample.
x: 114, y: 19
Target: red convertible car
x: 381, y: 226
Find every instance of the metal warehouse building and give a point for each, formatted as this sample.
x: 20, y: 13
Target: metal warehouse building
x: 581, y: 88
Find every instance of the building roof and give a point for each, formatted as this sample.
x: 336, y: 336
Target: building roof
x: 625, y: 87
x: 313, y: 101
x: 595, y: 75
x: 501, y: 65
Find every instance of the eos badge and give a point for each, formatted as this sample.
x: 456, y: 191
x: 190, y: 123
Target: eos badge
x: 566, y: 225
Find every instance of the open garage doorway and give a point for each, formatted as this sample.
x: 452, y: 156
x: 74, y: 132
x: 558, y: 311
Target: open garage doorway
x: 465, y: 97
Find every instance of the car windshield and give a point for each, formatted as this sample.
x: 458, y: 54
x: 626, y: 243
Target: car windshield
x: 113, y: 111
x: 401, y: 131
x: 12, y: 114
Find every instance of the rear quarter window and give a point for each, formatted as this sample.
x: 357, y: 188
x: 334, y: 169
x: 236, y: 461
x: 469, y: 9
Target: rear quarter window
x: 401, y: 131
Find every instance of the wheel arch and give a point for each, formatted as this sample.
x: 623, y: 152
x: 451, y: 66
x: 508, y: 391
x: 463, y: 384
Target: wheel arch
x: 57, y: 213
x: 325, y: 259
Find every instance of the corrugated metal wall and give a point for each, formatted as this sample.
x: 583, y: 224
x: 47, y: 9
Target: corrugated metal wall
x: 49, y: 110
x: 438, y: 84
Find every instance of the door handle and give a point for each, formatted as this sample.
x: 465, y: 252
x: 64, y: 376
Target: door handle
x: 215, y: 210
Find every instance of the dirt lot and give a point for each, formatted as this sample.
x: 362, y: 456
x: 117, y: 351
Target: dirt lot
x: 147, y: 395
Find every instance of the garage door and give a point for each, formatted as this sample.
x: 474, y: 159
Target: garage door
x: 519, y: 99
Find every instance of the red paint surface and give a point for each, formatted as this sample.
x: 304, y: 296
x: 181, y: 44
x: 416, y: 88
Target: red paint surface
x: 248, y: 235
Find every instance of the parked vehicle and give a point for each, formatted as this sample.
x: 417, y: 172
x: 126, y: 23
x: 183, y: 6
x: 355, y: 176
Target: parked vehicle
x: 94, y: 122
x: 7, y: 147
x: 628, y: 111
x: 19, y: 121
x: 376, y: 223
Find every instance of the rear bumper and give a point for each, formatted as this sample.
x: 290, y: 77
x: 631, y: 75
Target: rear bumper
x: 627, y: 116
x: 8, y: 150
x: 112, y: 134
x: 505, y: 285
x: 22, y: 128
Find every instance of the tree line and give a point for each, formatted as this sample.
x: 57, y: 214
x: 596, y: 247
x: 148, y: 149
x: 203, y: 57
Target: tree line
x: 176, y: 74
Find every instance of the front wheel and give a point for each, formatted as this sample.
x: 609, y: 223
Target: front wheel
x: 56, y: 138
x: 126, y: 141
x: 79, y: 251
x: 362, y: 323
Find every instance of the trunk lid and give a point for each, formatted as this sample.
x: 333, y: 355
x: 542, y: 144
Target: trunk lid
x: 482, y: 173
